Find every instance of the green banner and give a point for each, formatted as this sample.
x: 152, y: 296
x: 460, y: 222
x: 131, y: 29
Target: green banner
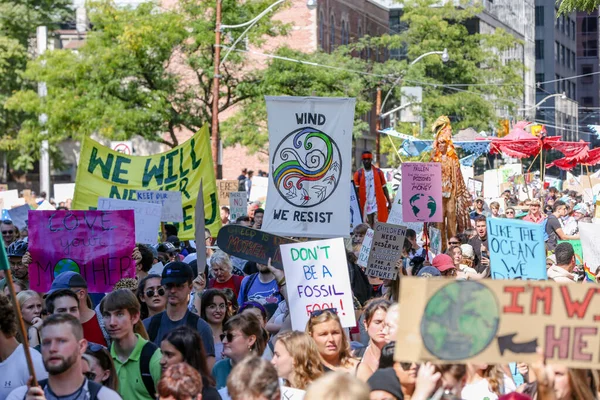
x: 577, y: 248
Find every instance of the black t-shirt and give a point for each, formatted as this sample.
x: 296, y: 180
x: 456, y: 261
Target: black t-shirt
x: 552, y: 226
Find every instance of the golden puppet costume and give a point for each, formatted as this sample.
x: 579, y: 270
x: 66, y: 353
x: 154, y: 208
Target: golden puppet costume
x: 456, y: 198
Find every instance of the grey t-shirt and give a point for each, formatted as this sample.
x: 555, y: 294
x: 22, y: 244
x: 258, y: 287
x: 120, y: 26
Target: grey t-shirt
x: 83, y: 393
x: 166, y: 326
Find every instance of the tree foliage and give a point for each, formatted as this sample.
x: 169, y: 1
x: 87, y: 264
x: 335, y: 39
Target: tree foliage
x: 569, y: 6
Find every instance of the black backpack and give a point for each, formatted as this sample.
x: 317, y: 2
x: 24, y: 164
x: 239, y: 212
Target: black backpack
x: 191, y: 320
x: 93, y: 387
x: 147, y: 352
x: 361, y: 287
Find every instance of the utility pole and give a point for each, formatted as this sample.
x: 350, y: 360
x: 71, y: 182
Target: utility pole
x: 377, y: 127
x: 215, y: 98
x: 42, y: 46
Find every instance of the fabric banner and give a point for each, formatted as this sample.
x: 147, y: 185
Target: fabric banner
x: 497, y: 322
x: 317, y: 278
x: 310, y: 143
x: 103, y: 172
x: 386, y: 250
x: 517, y: 249
x: 422, y: 186
x: 355, y: 214
x: 589, y: 234
x: 96, y: 244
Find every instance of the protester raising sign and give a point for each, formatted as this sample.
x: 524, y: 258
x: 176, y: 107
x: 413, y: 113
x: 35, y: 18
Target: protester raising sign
x: 147, y: 217
x: 498, y: 321
x: 589, y: 234
x: 517, y: 249
x: 105, y: 173
x: 386, y: 250
x: 422, y: 188
x: 96, y: 244
x: 316, y: 275
x: 169, y: 201
x: 310, y: 157
x: 238, y: 205
x: 365, y: 250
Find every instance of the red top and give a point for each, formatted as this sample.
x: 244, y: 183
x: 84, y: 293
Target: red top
x: 234, y: 283
x: 92, y: 332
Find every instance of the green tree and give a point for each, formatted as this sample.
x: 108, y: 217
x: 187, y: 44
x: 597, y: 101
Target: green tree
x: 569, y: 6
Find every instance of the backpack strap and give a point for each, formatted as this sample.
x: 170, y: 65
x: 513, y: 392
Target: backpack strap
x: 94, y: 388
x: 154, y: 326
x: 147, y: 352
x: 191, y: 320
x: 248, y: 286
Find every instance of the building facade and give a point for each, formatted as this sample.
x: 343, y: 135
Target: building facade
x: 588, y: 68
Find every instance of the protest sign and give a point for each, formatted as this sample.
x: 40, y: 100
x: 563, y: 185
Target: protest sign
x: 589, y: 234
x: 259, y: 189
x: 63, y: 192
x: 170, y: 203
x: 19, y: 216
x: 316, y: 274
x: 422, y: 186
x: 576, y: 248
x: 386, y: 250
x: 310, y: 143
x: 147, y: 217
x: 288, y: 393
x: 45, y: 206
x: 475, y: 187
x: 103, y: 172
x: 200, y: 233
x: 365, y: 250
x: 95, y: 244
x: 225, y: 187
x: 395, y: 217
x: 238, y: 205
x: 498, y: 321
x: 10, y: 198
x: 251, y: 244
x: 435, y: 240
x: 517, y: 249
x: 355, y: 212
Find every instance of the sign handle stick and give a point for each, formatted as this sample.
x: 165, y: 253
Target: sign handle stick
x: 22, y: 330
x: 426, y: 237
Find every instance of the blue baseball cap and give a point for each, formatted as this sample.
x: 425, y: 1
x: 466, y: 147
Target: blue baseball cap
x: 68, y: 280
x: 177, y: 272
x: 428, y: 272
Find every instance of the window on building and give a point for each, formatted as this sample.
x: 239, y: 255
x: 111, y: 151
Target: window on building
x: 557, y: 83
x: 343, y: 36
x: 587, y: 69
x: 321, y: 30
x: 360, y: 35
x: 539, y: 49
x: 331, y: 33
x: 573, y: 62
x: 539, y: 79
x: 589, y: 25
x: 562, y: 23
x: 368, y: 47
x: 573, y: 29
x: 590, y: 48
x: 562, y: 54
x: 568, y: 26
x: 587, y: 101
x: 556, y: 51
x: 574, y: 89
x: 539, y: 15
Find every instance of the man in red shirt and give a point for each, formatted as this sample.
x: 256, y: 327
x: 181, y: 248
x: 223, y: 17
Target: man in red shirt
x: 87, y: 316
x: 535, y: 213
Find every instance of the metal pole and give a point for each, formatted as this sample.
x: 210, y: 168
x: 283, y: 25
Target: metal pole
x: 42, y: 45
x: 378, y: 127
x: 215, y: 97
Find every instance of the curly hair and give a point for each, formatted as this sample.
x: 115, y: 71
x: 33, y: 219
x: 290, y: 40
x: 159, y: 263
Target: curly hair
x: 180, y: 381
x: 306, y: 359
x: 8, y: 317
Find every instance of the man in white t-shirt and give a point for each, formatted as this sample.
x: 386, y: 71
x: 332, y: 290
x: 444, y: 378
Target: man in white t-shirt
x: 13, y: 367
x: 373, y: 195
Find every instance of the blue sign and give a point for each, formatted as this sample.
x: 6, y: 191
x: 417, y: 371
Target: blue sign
x: 517, y: 249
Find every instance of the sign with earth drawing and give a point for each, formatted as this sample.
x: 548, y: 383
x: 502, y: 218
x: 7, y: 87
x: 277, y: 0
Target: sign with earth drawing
x: 422, y: 191
x: 498, y: 321
x: 310, y: 143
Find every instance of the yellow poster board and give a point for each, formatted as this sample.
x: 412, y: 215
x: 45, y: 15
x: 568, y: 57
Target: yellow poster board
x: 103, y: 172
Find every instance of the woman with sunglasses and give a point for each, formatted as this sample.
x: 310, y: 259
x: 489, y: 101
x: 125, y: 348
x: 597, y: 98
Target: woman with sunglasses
x: 242, y: 337
x: 101, y: 366
x: 325, y: 328
x: 374, y: 322
x: 297, y: 360
x: 152, y: 296
x: 184, y: 345
x: 31, y: 308
x: 214, y: 310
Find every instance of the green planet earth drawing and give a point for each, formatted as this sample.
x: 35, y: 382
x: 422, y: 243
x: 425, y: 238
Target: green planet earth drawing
x: 64, y: 265
x: 420, y: 205
x: 460, y: 320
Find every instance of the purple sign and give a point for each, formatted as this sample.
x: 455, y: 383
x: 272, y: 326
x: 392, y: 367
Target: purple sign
x: 422, y: 192
x: 96, y: 244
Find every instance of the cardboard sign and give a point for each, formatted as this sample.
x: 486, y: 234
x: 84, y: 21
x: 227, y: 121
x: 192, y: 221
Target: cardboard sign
x: 576, y: 248
x: 589, y: 234
x: 10, y: 197
x: 19, y: 216
x: 251, y: 244
x: 386, y: 250
x: 365, y: 250
x: 422, y: 188
x: 396, y: 217
x: 224, y: 188
x: 498, y: 321
x: 355, y: 211
x: 317, y: 278
x: 288, y: 393
x: 96, y: 244
x: 147, y: 217
x: 517, y: 249
x: 170, y: 202
x: 238, y: 205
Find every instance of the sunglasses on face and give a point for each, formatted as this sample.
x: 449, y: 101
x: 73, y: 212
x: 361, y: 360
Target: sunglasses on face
x: 151, y: 292
x: 90, y: 375
x: 316, y: 313
x: 8, y: 232
x: 229, y: 336
x: 95, y: 347
x: 510, y: 212
x: 453, y: 243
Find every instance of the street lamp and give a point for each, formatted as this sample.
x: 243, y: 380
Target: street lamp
x: 562, y: 95
x: 310, y: 4
x: 445, y: 58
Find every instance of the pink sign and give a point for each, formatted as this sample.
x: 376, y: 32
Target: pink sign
x: 422, y: 192
x: 96, y: 244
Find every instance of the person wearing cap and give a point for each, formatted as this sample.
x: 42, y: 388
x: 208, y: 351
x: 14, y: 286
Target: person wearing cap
x: 167, y: 252
x: 428, y: 272
x: 478, y: 209
x: 444, y: 264
x: 373, y: 195
x: 535, y: 214
x: 18, y: 259
x: 385, y: 385
x: 92, y: 330
x: 177, y: 278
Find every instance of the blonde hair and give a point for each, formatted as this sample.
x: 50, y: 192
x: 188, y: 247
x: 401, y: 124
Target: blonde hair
x: 25, y: 295
x: 337, y: 386
x: 326, y: 316
x: 305, y: 355
x: 253, y: 377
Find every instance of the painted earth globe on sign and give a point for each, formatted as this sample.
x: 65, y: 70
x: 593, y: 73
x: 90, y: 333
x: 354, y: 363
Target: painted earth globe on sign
x: 423, y: 206
x: 460, y: 320
x: 64, y: 265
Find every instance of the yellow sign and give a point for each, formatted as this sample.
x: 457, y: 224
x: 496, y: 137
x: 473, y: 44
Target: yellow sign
x: 103, y: 172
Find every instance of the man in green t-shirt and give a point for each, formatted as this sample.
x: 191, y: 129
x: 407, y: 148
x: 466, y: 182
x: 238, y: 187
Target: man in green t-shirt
x: 136, y: 360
